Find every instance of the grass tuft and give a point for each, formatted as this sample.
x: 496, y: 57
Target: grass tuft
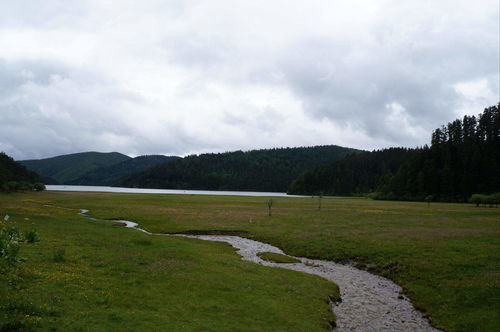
x: 277, y: 258
x: 59, y: 255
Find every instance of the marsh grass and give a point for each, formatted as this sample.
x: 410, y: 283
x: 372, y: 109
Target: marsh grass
x: 446, y: 256
x: 89, y: 275
x: 277, y: 258
x: 59, y: 255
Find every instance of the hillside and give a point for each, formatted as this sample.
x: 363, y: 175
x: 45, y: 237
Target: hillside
x: 106, y: 176
x: 11, y: 171
x: 463, y: 159
x: 67, y: 168
x: 257, y: 170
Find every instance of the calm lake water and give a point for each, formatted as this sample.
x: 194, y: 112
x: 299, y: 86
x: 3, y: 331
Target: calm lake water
x: 163, y: 191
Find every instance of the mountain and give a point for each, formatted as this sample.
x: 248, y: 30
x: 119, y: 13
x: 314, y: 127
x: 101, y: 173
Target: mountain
x: 11, y: 171
x: 67, y: 168
x: 107, y: 176
x: 463, y: 159
x: 256, y: 170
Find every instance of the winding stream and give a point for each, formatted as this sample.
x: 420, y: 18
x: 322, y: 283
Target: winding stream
x: 369, y: 302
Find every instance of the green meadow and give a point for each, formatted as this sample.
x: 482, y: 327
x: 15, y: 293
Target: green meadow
x: 96, y: 275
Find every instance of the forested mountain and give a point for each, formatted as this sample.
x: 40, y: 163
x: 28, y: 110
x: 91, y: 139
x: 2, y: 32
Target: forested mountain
x: 354, y: 174
x: 14, y: 176
x: 106, y: 176
x: 67, y: 168
x: 464, y: 158
x: 257, y: 170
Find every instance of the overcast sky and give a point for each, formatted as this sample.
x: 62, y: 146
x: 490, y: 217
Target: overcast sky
x: 182, y: 77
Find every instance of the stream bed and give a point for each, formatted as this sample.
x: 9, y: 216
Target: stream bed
x: 369, y: 302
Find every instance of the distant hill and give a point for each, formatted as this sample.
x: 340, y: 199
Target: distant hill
x: 463, y: 159
x: 109, y: 175
x: 14, y: 171
x: 67, y: 168
x: 257, y: 170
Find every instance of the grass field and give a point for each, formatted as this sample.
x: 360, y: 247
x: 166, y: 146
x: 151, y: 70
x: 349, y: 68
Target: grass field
x: 446, y: 257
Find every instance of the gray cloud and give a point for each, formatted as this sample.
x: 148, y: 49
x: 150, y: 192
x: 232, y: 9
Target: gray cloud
x: 182, y: 77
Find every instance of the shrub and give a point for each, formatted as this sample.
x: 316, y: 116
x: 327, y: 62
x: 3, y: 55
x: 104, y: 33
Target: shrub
x: 496, y: 198
x: 477, y: 199
x: 32, y: 236
x: 375, y: 195
x: 490, y: 200
x: 39, y: 186
x: 25, y: 186
x: 59, y: 255
x: 12, y: 186
x: 10, y: 238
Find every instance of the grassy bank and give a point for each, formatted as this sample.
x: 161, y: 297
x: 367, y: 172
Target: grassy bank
x: 277, y: 258
x: 88, y: 275
x: 445, y: 256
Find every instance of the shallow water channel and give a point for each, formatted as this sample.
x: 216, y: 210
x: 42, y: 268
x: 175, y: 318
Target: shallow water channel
x: 369, y: 302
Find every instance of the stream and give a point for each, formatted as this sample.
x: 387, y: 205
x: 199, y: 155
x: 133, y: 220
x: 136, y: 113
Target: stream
x: 369, y: 302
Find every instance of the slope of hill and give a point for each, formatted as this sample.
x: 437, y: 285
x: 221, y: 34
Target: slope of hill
x: 257, y: 170
x: 106, y: 176
x: 13, y: 171
x: 463, y: 159
x: 67, y: 168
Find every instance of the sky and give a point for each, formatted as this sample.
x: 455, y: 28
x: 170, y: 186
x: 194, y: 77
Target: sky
x: 184, y: 77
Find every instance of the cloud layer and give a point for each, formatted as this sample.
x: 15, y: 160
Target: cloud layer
x: 181, y: 77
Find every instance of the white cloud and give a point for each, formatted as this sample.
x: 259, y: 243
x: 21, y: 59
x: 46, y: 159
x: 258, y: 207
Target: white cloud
x: 180, y: 77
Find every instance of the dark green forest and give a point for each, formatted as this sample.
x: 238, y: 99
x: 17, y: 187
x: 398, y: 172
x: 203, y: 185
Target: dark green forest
x: 67, y: 168
x: 463, y: 159
x: 258, y: 170
x: 108, y: 175
x: 353, y: 175
x: 14, y: 176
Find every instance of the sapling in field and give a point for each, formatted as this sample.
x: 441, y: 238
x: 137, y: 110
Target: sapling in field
x: 429, y: 199
x: 270, y: 205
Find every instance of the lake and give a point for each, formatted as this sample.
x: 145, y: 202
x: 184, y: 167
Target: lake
x: 104, y: 189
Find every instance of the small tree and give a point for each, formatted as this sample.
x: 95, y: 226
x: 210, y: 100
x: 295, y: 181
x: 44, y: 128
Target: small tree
x: 496, y: 198
x: 476, y: 199
x: 25, y: 186
x: 429, y: 199
x: 489, y: 199
x: 270, y: 205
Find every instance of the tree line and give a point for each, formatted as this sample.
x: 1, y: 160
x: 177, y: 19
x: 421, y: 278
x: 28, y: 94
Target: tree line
x: 463, y: 159
x: 257, y: 170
